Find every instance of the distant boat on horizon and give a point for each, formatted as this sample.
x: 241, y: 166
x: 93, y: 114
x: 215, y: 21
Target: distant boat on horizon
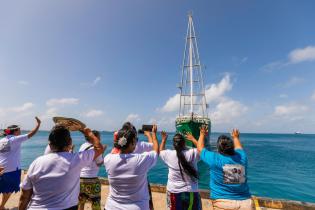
x: 298, y: 132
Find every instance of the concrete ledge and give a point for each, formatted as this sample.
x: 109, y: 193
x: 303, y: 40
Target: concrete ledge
x: 259, y: 201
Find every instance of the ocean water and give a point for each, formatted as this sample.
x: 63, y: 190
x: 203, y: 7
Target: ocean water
x: 280, y: 166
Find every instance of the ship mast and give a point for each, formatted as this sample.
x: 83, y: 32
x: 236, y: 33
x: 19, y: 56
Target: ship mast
x: 192, y: 93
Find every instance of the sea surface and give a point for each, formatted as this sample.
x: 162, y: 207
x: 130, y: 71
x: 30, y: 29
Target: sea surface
x: 280, y: 166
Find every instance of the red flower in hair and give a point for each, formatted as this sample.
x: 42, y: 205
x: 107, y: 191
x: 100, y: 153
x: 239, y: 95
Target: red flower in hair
x: 7, y: 131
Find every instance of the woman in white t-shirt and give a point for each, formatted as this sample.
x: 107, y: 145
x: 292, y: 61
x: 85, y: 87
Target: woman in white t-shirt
x: 52, y: 180
x: 10, y: 160
x: 127, y: 172
x: 182, y: 183
x: 90, y: 185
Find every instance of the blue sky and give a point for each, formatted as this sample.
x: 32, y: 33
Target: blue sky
x: 105, y: 62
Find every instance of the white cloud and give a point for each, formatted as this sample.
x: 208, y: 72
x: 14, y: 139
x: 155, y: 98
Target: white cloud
x: 62, y: 101
x: 313, y: 96
x: 301, y: 55
x: 94, y: 113
x: 133, y: 118
x: 23, y: 82
x: 227, y: 110
x: 216, y: 91
x: 25, y: 107
x: 295, y: 56
x: 172, y: 104
x: 289, y: 110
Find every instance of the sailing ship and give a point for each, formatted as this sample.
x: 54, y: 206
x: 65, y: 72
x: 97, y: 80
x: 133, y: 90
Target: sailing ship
x: 193, y: 111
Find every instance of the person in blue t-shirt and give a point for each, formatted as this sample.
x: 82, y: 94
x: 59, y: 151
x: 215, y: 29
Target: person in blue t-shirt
x: 228, y: 172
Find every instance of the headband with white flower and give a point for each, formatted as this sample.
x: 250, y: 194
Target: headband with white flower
x: 122, y: 141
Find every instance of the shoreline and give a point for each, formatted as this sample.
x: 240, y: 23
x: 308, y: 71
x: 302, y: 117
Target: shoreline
x: 159, y: 199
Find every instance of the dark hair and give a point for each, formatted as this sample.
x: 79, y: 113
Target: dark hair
x: 128, y: 134
x: 225, y: 145
x: 96, y: 133
x: 11, y: 129
x: 60, y: 137
x: 129, y: 125
x: 179, y: 146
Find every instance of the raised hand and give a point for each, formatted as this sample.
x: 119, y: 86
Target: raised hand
x: 235, y: 133
x: 164, y: 135
x: 190, y: 137
x: 154, y: 129
x: 204, y: 130
x: 38, y: 120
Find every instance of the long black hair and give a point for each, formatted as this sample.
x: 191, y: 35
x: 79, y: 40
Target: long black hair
x: 179, y: 146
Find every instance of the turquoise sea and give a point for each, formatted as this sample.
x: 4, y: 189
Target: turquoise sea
x: 280, y: 165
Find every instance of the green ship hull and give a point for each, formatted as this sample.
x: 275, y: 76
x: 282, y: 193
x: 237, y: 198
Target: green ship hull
x: 192, y: 125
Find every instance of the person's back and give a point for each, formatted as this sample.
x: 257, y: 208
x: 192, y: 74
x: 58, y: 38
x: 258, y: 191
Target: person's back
x: 228, y: 173
x: 54, y: 179
x: 182, y: 183
x: 177, y: 183
x: 127, y: 173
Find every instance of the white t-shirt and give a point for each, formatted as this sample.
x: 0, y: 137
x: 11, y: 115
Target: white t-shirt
x: 47, y: 150
x: 143, y: 147
x: 90, y: 171
x: 10, y: 152
x: 127, y: 176
x: 54, y: 179
x: 175, y: 182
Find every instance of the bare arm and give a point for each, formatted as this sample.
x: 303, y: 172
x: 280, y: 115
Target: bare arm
x: 1, y: 170
x: 154, y: 139
x: 25, y: 198
x: 236, y: 139
x: 163, y: 142
x: 148, y: 135
x: 98, y: 147
x: 34, y: 131
x: 191, y: 138
x: 201, y: 140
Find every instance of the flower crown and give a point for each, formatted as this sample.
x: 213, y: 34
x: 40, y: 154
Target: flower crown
x: 122, y: 141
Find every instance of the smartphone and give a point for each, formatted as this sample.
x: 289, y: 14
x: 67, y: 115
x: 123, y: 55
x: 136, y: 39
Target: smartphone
x: 147, y: 127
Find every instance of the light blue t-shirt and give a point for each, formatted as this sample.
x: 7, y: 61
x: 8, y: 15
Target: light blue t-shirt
x: 228, y: 175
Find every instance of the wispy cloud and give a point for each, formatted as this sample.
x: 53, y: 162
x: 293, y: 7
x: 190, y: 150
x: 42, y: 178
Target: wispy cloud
x: 62, y: 101
x: 290, y: 110
x: 293, y: 81
x: 133, y: 118
x: 295, y: 56
x: 313, y: 96
x: 93, y: 113
x: 283, y: 96
x: 17, y: 110
x: 93, y: 83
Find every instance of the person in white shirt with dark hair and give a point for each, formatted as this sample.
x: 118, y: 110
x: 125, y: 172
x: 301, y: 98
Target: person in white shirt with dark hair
x: 90, y: 185
x: 182, y: 183
x: 52, y: 180
x: 10, y: 159
x: 127, y: 172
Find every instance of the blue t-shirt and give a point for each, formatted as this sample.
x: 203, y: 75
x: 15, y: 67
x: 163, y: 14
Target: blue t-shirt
x: 228, y: 175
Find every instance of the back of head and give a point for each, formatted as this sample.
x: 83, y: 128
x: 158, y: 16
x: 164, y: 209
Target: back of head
x: 129, y: 125
x: 179, y: 146
x: 125, y: 137
x: 225, y: 145
x: 11, y: 129
x: 60, y: 137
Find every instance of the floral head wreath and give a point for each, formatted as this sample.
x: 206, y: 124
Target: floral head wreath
x: 122, y: 141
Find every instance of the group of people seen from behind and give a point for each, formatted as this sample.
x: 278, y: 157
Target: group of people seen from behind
x: 63, y: 179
